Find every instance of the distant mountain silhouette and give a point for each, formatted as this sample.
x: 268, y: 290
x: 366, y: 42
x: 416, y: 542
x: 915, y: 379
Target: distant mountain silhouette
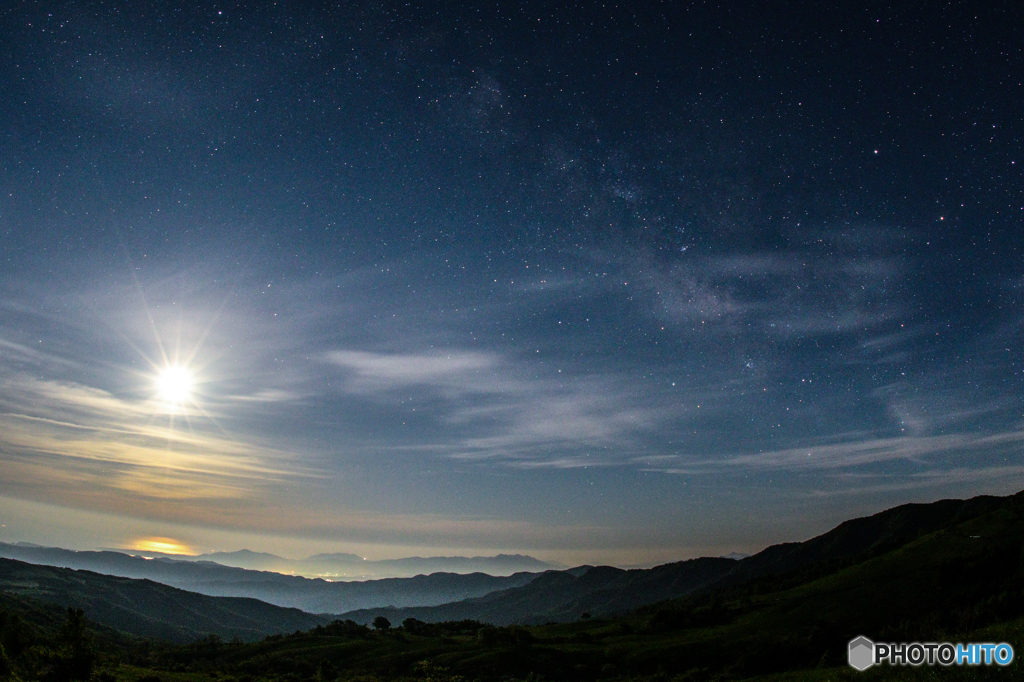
x: 243, y: 558
x: 312, y: 595
x: 502, y: 564
x: 344, y: 566
x: 336, y: 556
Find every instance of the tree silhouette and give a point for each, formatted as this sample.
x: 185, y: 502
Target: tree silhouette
x: 381, y: 623
x: 16, y: 637
x: 328, y: 672
x: 412, y: 625
x: 5, y: 664
x: 76, y: 656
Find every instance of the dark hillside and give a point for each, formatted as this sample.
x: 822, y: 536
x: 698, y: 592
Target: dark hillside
x: 148, y: 609
x: 859, y: 538
x: 937, y: 587
x: 562, y: 596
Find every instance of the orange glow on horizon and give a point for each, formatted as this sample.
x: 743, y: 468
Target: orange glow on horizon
x: 161, y: 545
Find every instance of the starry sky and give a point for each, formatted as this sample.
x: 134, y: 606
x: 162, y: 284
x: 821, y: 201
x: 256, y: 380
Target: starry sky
x: 620, y: 283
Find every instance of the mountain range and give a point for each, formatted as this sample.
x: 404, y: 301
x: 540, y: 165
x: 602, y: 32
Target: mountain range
x: 527, y: 598
x: 312, y: 595
x: 343, y: 566
x: 947, y: 571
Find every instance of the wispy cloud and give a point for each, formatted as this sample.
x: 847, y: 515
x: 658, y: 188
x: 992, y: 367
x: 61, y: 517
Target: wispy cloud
x: 381, y: 371
x: 63, y: 431
x: 268, y: 396
x: 843, y: 456
x: 538, y: 427
x: 495, y: 411
x: 312, y: 391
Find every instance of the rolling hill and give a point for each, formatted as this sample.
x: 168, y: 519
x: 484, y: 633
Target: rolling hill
x: 150, y: 609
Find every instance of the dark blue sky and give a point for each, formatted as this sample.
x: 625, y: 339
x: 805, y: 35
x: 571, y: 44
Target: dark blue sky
x: 599, y: 282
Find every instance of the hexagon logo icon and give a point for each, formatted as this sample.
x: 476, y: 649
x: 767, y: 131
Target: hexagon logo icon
x: 862, y: 653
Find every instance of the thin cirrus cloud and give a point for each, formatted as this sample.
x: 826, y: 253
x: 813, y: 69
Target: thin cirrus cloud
x: 1005, y: 478
x: 380, y: 371
x: 522, y: 374
x: 538, y: 429
x: 496, y: 412
x: 936, y: 458
x: 90, y: 447
x: 61, y: 434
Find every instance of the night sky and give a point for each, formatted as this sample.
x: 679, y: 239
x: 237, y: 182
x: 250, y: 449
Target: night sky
x: 611, y: 283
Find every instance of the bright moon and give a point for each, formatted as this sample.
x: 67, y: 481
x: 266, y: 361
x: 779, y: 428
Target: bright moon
x: 174, y: 385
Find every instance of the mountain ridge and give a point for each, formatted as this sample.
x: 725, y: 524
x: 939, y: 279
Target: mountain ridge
x: 313, y: 595
x: 620, y: 591
x: 604, y: 591
x: 347, y: 566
